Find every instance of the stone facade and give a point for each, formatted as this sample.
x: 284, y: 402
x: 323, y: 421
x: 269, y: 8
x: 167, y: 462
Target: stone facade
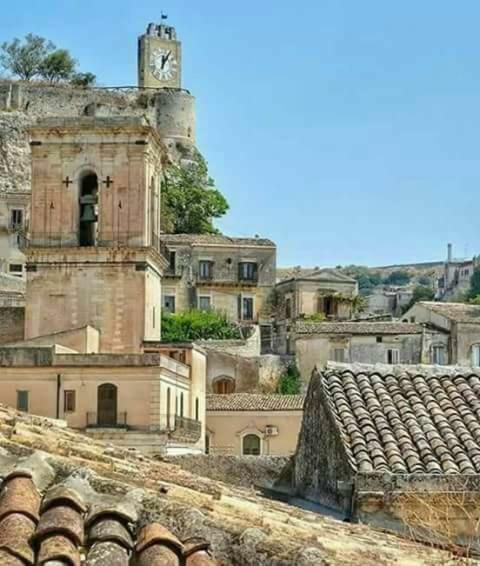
x: 12, y: 322
x: 364, y: 342
x: 303, y: 294
x: 14, y: 212
x: 459, y: 321
x: 232, y: 275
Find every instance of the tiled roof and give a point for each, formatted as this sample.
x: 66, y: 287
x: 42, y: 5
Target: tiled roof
x: 213, y: 239
x: 285, y: 273
x: 254, y: 402
x: 78, y: 495
x: 406, y: 419
x: 357, y: 328
x: 458, y: 312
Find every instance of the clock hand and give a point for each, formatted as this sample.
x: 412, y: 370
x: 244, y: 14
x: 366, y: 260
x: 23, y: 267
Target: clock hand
x: 165, y: 58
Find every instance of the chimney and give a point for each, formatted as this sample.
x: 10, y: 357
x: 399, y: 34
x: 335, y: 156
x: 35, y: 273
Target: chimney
x: 449, y: 253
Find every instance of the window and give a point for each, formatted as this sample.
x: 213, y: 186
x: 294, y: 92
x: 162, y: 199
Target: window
x: 247, y: 308
x: 204, y: 303
x: 205, y: 269
x: 16, y: 269
x: 172, y: 261
x: 22, y: 401
x: 154, y: 316
x: 339, y: 355
x: 393, y: 356
x: 251, y: 445
x: 224, y: 385
x: 181, y: 404
x: 247, y: 271
x: 16, y: 218
x: 288, y: 308
x: 168, y: 406
x: 69, y: 401
x: 379, y: 339
x: 169, y: 303
x: 196, y: 409
x: 476, y: 355
x: 438, y: 355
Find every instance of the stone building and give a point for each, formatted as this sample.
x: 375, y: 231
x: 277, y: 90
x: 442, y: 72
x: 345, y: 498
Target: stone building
x: 389, y: 300
x: 309, y: 294
x: 14, y: 211
x: 211, y: 271
x: 396, y: 447
x: 460, y: 321
x: 365, y: 342
x: 456, y: 276
x: 251, y: 424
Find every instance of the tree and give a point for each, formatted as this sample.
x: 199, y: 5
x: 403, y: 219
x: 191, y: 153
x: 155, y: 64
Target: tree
x: 57, y: 66
x: 290, y: 381
x: 24, y: 58
x: 190, y: 200
x: 420, y: 293
x: 399, y: 277
x: 474, y: 284
x: 197, y: 325
x: 84, y: 80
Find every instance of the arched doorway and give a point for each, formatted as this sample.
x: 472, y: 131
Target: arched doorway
x: 88, y: 210
x: 107, y: 405
x: 251, y: 445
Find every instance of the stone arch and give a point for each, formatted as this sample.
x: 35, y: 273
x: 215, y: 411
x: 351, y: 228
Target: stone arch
x: 88, y: 203
x: 251, y: 445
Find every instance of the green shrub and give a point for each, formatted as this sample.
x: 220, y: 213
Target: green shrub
x: 290, y: 381
x: 197, y: 325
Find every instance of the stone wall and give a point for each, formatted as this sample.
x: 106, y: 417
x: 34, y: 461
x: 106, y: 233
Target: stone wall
x: 12, y: 322
x: 245, y: 471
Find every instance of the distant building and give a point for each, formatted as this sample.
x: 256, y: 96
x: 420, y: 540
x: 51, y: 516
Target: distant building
x: 253, y: 425
x: 14, y: 211
x: 310, y: 293
x: 362, y: 342
x: 460, y: 321
x: 456, y: 276
x: 389, y: 300
x: 396, y: 447
x: 215, y: 272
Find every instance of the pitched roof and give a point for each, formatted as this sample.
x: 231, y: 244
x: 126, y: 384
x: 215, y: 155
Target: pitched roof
x: 325, y: 273
x: 69, y: 482
x: 357, y: 328
x: 458, y: 312
x: 254, y: 402
x: 214, y: 239
x: 406, y: 419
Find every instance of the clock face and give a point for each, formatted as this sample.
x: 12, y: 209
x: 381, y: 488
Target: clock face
x: 163, y: 64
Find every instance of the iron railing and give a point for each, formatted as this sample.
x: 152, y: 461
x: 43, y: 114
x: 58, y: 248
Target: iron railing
x: 188, y: 425
x: 94, y: 420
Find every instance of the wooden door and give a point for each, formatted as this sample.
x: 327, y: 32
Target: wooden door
x: 107, y: 405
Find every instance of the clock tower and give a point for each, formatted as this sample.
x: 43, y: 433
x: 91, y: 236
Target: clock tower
x: 159, y: 57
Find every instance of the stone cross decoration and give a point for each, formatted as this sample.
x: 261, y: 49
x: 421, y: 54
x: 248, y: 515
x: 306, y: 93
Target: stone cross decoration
x: 108, y: 181
x: 67, y: 181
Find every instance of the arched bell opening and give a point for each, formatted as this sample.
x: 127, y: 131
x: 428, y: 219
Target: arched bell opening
x: 88, y: 209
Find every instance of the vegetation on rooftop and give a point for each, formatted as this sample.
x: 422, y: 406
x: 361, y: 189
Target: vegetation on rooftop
x: 420, y: 293
x: 35, y: 57
x: 198, y: 325
x: 190, y: 200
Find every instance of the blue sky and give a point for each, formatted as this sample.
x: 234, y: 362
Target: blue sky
x: 346, y: 131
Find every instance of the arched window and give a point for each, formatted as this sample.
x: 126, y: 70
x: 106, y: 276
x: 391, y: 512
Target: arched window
x: 88, y: 210
x: 107, y: 404
x: 224, y: 385
x: 251, y: 445
x: 476, y: 355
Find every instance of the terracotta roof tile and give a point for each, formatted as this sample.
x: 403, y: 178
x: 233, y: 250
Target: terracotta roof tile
x: 8, y: 559
x: 59, y: 548
x: 16, y: 531
x: 103, y: 553
x: 63, y: 520
x: 254, y: 402
x: 406, y: 420
x: 458, y: 312
x: 197, y: 553
x: 110, y: 529
x: 19, y: 495
x: 212, y: 239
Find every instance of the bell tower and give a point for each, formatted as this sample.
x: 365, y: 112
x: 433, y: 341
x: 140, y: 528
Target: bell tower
x: 159, y: 57
x: 93, y: 256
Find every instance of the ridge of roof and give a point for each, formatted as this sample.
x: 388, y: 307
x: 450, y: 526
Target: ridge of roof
x: 353, y: 327
x: 458, y: 312
x: 213, y: 239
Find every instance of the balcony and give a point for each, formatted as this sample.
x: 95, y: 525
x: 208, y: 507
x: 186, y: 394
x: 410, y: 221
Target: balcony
x: 107, y: 420
x: 185, y: 427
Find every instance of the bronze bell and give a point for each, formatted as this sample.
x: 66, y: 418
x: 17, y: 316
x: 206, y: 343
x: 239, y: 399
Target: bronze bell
x: 88, y: 213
